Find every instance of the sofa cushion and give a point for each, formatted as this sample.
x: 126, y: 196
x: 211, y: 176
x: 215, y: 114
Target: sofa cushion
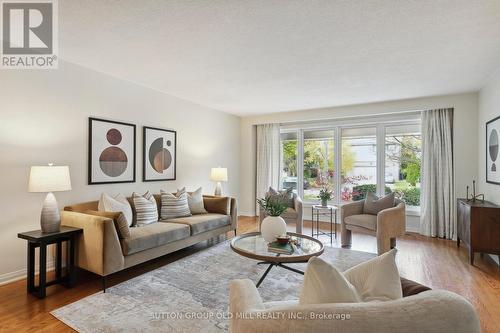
x: 377, y: 279
x: 217, y: 205
x: 174, y: 205
x: 153, y: 235
x: 324, y: 283
x: 285, y: 196
x: 364, y: 220
x: 203, y: 222
x: 146, y: 211
x: 195, y: 201
x: 411, y: 288
x: 373, y: 204
x: 118, y: 203
x: 290, y: 213
x: 121, y: 223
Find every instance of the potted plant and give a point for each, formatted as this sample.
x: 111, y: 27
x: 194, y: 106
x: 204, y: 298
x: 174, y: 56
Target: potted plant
x: 273, y: 224
x: 325, y: 194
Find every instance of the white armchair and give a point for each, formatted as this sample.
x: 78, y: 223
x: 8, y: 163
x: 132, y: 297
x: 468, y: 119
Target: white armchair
x: 433, y: 311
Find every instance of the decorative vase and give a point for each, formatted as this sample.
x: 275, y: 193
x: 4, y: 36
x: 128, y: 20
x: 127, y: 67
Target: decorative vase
x: 324, y: 202
x: 272, y: 227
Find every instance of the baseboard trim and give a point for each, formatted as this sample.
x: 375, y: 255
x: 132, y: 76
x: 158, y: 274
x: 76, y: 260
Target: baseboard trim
x: 22, y: 273
x: 247, y: 214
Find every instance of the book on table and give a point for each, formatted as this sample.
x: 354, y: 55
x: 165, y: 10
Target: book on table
x: 280, y: 248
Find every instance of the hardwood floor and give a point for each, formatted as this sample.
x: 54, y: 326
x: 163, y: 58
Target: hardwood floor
x: 434, y: 262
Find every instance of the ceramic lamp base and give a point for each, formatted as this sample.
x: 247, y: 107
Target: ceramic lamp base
x: 50, y: 220
x: 218, y: 189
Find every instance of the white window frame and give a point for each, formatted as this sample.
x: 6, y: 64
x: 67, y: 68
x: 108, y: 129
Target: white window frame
x: 380, y: 123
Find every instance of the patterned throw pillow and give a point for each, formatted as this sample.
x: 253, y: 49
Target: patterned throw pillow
x: 173, y: 206
x: 117, y: 203
x: 284, y: 195
x: 145, y: 209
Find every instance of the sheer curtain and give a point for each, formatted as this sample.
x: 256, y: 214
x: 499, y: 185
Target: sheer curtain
x: 437, y: 218
x: 268, y: 158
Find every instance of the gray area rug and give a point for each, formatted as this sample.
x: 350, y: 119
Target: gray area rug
x: 188, y: 295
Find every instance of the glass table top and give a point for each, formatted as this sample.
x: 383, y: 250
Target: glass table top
x: 254, y: 246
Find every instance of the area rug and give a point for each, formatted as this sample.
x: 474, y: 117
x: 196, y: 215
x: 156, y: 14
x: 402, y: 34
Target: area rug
x: 188, y: 295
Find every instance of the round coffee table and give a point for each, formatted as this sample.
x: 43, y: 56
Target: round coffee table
x: 253, y: 246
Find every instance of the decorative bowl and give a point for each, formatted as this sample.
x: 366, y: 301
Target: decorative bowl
x: 283, y: 239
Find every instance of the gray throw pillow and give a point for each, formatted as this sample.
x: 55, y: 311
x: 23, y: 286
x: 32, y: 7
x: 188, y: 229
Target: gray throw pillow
x: 373, y: 205
x: 285, y: 195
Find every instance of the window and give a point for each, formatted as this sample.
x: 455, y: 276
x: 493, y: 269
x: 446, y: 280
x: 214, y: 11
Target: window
x: 359, y: 163
x: 318, y: 163
x: 353, y: 157
x: 288, y: 163
x: 403, y: 156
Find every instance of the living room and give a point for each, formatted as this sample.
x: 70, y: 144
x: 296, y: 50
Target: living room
x: 250, y: 166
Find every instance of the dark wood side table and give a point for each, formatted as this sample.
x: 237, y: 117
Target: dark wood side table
x: 36, y: 239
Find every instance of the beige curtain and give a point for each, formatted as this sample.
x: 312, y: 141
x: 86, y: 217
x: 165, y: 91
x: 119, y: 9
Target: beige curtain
x: 268, y: 159
x: 437, y: 218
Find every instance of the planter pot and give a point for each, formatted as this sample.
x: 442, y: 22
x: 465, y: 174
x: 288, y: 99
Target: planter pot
x: 324, y: 202
x: 272, y: 227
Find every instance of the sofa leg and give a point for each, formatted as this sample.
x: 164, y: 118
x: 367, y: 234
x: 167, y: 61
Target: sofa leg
x: 103, y: 280
x: 234, y: 232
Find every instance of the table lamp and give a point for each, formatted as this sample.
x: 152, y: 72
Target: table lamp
x: 218, y: 175
x: 49, y: 179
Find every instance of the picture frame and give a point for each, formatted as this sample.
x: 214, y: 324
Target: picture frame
x: 111, y: 152
x: 492, y: 151
x: 159, y: 154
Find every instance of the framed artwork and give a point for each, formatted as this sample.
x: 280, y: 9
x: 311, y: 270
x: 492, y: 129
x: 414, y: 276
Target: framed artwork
x: 492, y: 145
x: 159, y: 154
x: 111, y: 152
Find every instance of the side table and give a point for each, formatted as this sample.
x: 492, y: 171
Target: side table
x: 330, y: 211
x: 36, y: 239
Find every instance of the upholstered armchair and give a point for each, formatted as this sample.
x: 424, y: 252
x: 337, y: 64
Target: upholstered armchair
x: 292, y: 214
x: 386, y: 225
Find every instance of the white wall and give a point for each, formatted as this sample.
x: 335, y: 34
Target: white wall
x: 489, y: 108
x: 465, y: 137
x: 43, y: 118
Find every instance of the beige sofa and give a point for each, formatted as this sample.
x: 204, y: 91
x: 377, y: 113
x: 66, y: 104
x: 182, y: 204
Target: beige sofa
x: 100, y: 249
x: 386, y: 225
x: 291, y: 215
x: 433, y: 311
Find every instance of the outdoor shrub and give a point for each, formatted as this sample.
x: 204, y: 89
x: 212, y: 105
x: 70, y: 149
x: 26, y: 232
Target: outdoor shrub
x: 359, y: 191
x: 412, y: 196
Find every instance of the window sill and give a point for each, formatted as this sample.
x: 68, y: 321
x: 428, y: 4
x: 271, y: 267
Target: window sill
x: 410, y: 210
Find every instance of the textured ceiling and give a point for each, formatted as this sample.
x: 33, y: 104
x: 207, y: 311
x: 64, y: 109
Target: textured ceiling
x: 251, y: 57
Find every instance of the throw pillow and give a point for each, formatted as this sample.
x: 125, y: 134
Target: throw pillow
x: 285, y: 195
x: 174, y: 206
x: 323, y: 283
x: 119, y: 220
x: 377, y: 279
x: 219, y: 205
x: 117, y: 203
x: 373, y: 205
x: 145, y: 209
x: 411, y: 288
x: 195, y: 201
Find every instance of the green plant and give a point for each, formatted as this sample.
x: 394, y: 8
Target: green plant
x: 325, y: 193
x: 359, y: 191
x: 411, y: 196
x: 273, y: 206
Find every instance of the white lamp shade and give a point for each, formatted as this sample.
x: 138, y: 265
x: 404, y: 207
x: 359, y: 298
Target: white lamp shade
x: 49, y: 179
x: 218, y: 175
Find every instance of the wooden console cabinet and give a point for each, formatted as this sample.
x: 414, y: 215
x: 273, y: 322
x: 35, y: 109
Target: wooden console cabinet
x: 478, y: 226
